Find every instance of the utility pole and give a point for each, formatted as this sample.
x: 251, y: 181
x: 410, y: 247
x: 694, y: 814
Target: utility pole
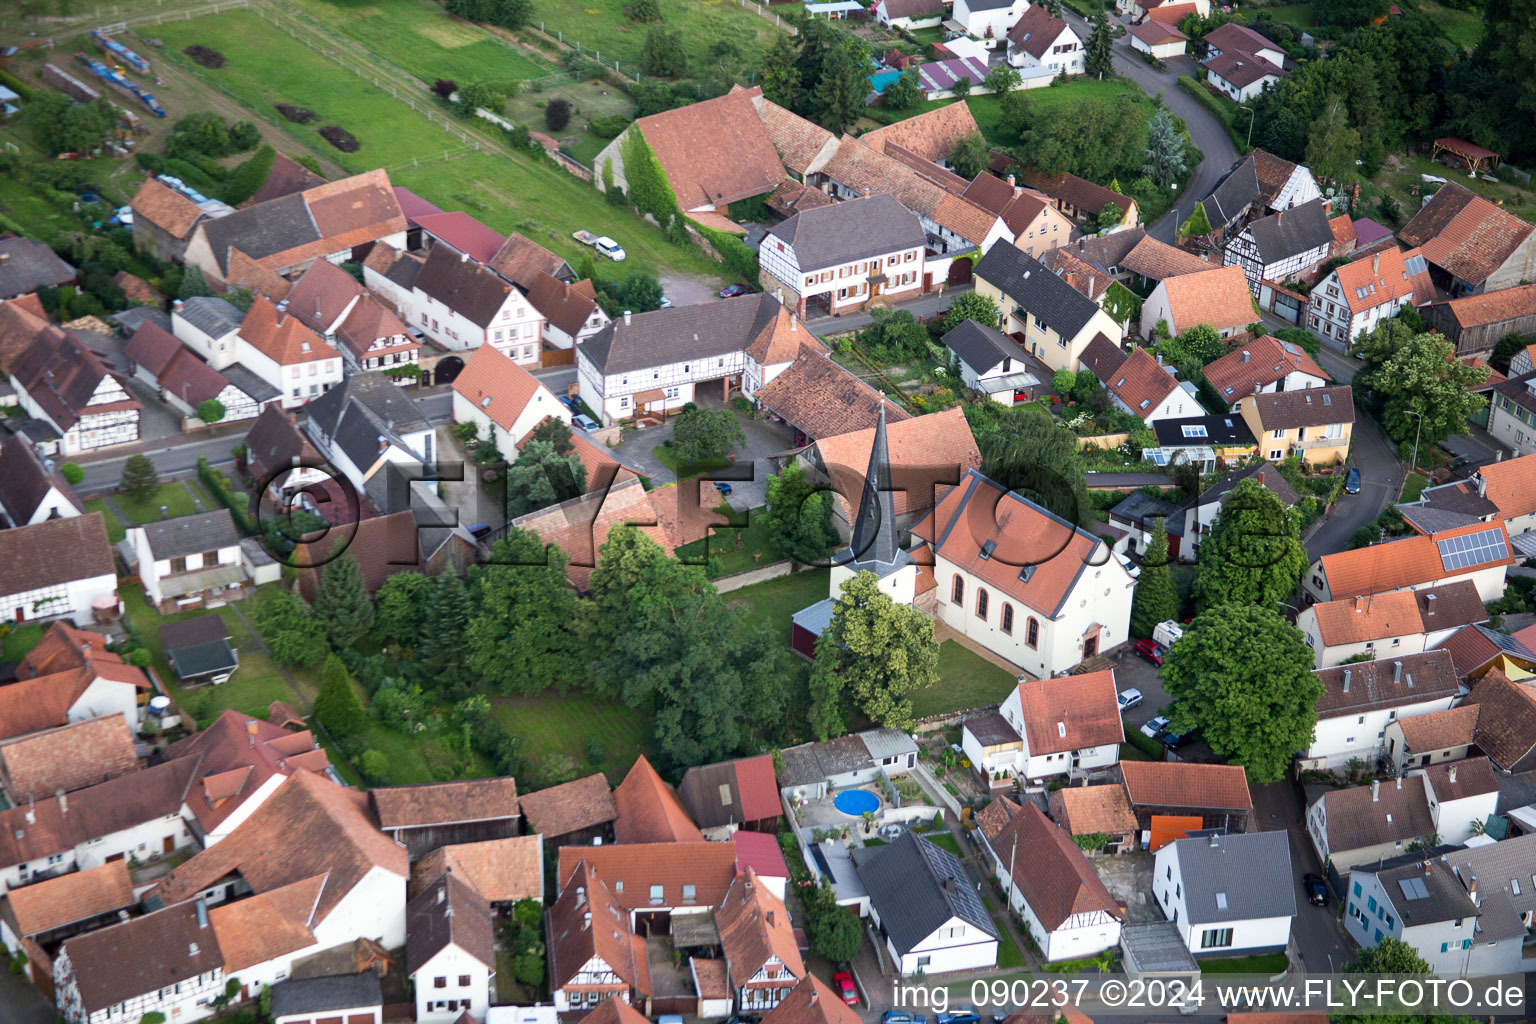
x: 1251, y: 112
x: 1416, y: 435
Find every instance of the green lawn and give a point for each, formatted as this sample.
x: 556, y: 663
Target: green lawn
x: 734, y: 547
x: 772, y: 603
x: 1298, y: 15
x: 19, y: 641
x: 1268, y: 965
x: 600, y: 25
x: 966, y: 680
x: 145, y: 507
x: 1008, y: 955
x: 423, y: 757
x: 1464, y: 28
x: 1413, y: 487
x: 115, y: 531
x: 551, y: 724
x: 420, y: 37
x: 944, y: 841
x: 589, y: 99
x: 987, y: 109
x: 201, y: 493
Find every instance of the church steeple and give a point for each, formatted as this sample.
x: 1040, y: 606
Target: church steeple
x: 875, y: 543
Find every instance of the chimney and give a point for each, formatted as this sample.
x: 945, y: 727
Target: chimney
x: 64, y: 797
x: 250, y: 732
x: 1427, y: 866
x: 85, y: 649
x: 1215, y: 840
x: 1245, y: 357
x: 202, y: 914
x: 1452, y: 775
x: 442, y: 894
x: 1498, y: 456
x: 1360, y: 603
x: 626, y: 318
x: 1375, y: 791
x: 176, y: 306
x: 5, y: 259
x: 1347, y: 673
x: 1282, y: 212
x: 1429, y: 600
x: 165, y: 512
x: 1397, y: 671
x: 1472, y: 888
x: 1261, y: 479
x: 1482, y: 486
x: 1012, y: 181
x: 1399, y: 783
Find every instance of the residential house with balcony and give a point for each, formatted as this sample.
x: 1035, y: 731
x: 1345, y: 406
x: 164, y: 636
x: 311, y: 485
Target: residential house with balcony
x: 843, y: 257
x: 1512, y: 414
x: 1351, y: 300
x: 58, y: 568
x: 655, y: 362
x: 1471, y: 245
x: 378, y: 437
x: 32, y: 490
x: 61, y: 381
x: 1067, y: 725
x: 461, y: 305
x: 1051, y: 320
x: 986, y: 20
x: 190, y: 561
x: 330, y: 302
x: 1288, y: 245
x: 1263, y: 365
x: 1361, y: 700
x: 1388, y: 625
x: 1478, y: 552
x: 1315, y: 424
x: 1031, y: 587
x: 1209, y: 442
x: 925, y: 909
x: 1205, y: 886
x: 1217, y: 297
x: 1039, y: 39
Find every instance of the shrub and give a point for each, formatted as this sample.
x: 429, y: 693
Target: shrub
x: 210, y: 410
x: 444, y: 87
x: 1144, y: 743
x: 375, y: 767
x: 218, y: 486
x: 596, y: 750
x: 72, y: 473
x: 609, y: 127
x: 557, y: 114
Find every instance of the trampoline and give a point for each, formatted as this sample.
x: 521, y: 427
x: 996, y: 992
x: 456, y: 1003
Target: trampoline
x: 854, y: 802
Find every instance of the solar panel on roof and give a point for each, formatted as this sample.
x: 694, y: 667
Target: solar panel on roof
x: 1414, y: 264
x: 1472, y: 549
x: 1413, y: 888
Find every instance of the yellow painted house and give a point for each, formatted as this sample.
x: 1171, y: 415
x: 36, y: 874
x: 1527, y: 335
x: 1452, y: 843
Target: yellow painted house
x: 1315, y: 424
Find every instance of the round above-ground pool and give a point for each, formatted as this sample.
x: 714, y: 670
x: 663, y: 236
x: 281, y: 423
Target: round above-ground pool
x: 855, y: 802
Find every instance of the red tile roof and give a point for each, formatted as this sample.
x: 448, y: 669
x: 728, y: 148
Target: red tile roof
x: 1051, y: 872
x: 1506, y: 721
x: 522, y: 260
x: 759, y: 851
x: 464, y: 233
x: 821, y: 399
x: 1465, y: 234
x: 238, y: 754
x: 281, y: 337
x: 1511, y: 485
x: 268, y: 925
x: 755, y: 929
x: 1376, y: 280
x: 500, y: 870
x: 1186, y: 784
x: 165, y: 208
x: 1141, y: 382
x: 1071, y: 712
x: 1494, y: 307
x: 1406, y: 562
x: 1089, y: 810
x: 497, y: 386
x: 1172, y: 14
x: 70, y: 757
x: 1258, y: 364
x: 1218, y: 297
x: 1156, y: 32
x: 71, y: 898
x: 812, y: 1001
x: 569, y: 807
x: 1368, y: 617
x: 445, y: 803
x: 649, y: 809
x: 941, y: 439
x: 587, y: 921
x: 1440, y: 730
x: 714, y: 152
x: 630, y: 869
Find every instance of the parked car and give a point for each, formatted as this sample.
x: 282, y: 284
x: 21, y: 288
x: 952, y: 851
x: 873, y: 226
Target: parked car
x: 842, y: 981
x: 723, y: 487
x: 1317, y: 889
x: 584, y: 421
x: 1352, y: 482
x: 570, y: 403
x: 965, y: 1015
x: 608, y: 247
x: 1172, y: 740
x: 666, y: 303
x: 1129, y: 699
x: 730, y: 291
x: 1167, y: 633
x: 479, y: 531
x: 902, y: 1017
x: 1151, y: 650
x: 1154, y: 729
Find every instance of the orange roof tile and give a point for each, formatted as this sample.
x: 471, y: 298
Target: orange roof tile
x: 1440, y: 730
x: 1218, y: 297
x: 1141, y: 382
x: 587, y: 921
x: 500, y: 870
x: 71, y: 898
x: 798, y: 141
x: 444, y: 803
x: 630, y: 869
x: 1375, y: 280
x: 1186, y: 784
x: 268, y: 925
x: 68, y: 758
x: 812, y: 1002
x: 282, y: 338
x: 1086, y: 810
x: 1492, y: 307
x: 1406, y: 562
x: 239, y: 753
x: 1172, y: 14
x: 245, y: 272
x: 497, y: 386
x: 1362, y: 618
x: 714, y: 152
x: 1511, y: 485
x: 1071, y: 712
x: 941, y: 439
x: 1258, y: 364
x: 614, y: 1010
x: 165, y: 208
x: 649, y: 809
x: 1465, y: 234
x: 931, y: 135
x: 1343, y: 229
x: 1051, y: 872
x: 754, y: 928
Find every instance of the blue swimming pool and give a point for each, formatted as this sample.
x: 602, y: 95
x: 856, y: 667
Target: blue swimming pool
x: 855, y: 802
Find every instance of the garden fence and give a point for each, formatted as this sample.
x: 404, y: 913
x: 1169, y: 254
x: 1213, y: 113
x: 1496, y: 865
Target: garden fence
x: 175, y: 14
x: 767, y: 15
x: 596, y: 55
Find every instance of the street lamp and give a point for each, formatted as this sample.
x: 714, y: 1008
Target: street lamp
x: 1416, y: 434
x: 1251, y: 112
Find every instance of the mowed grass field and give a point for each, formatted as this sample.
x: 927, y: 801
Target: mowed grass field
x: 987, y: 109
x: 601, y: 25
x: 420, y: 37
x: 550, y: 724
x: 507, y: 190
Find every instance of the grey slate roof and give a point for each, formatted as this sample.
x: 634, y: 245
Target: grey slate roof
x: 331, y: 992
x: 1443, y: 897
x: 191, y: 535
x: 1228, y: 429
x: 681, y: 333
x: 354, y: 414
x: 1101, y: 252
x: 830, y: 236
x: 1233, y: 194
x: 915, y: 887
x: 261, y: 231
x: 1292, y: 232
x: 464, y: 286
x: 883, y: 743
x: 1143, y: 508
x: 1230, y: 868
x: 246, y: 380
x: 1495, y: 867
x: 25, y: 480
x: 200, y: 629
x: 875, y: 545
x: 29, y: 266
x: 1428, y: 519
x: 213, y: 316
x: 129, y: 320
x: 1272, y: 480
x: 1027, y: 282
x: 812, y: 763
x: 981, y: 347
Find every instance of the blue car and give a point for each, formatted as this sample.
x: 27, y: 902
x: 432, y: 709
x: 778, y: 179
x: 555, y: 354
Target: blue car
x: 722, y: 487
x: 1352, y: 482
x: 960, y: 1017
x: 900, y: 1017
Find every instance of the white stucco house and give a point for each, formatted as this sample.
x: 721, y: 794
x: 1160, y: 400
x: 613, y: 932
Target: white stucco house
x: 366, y: 426
x: 992, y: 364
x: 33, y: 491
x: 1361, y: 700
x: 1217, y: 890
x: 462, y: 305
x: 1041, y: 40
x: 838, y: 258
x: 986, y: 20
x: 280, y: 350
x: 209, y: 326
x: 909, y: 14
x: 1149, y: 390
x: 1351, y: 300
x: 450, y: 951
x: 1065, y: 725
x: 1048, y: 881
x: 1388, y: 626
x: 503, y: 400
x: 190, y: 561
x: 925, y: 910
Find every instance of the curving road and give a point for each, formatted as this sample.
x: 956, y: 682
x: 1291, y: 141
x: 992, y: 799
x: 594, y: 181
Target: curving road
x: 1208, y: 133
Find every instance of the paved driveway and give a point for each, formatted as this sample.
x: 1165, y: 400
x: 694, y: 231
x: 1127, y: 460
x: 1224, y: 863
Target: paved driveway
x: 20, y: 1003
x: 1316, y: 931
x: 748, y: 476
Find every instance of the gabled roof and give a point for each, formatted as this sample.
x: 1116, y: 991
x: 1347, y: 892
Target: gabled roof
x: 462, y: 285
x: 1155, y: 32
x: 687, y: 332
x: 235, y: 756
x: 1258, y: 364
x: 613, y: 1010
x: 1102, y: 357
x: 358, y: 415
x: 444, y: 803
x: 731, y: 792
x: 281, y: 337
x: 1410, y: 561
x: 142, y: 955
x: 1494, y: 307
x: 1051, y: 872
x: 810, y: 1002
x: 268, y: 925
x: 760, y: 852
x: 1310, y: 407
x: 500, y: 870
x: 1218, y: 876
x: 1037, y: 557
x: 1388, y: 812
x: 463, y: 233
x: 754, y: 929
x: 265, y: 233
x: 1186, y: 784
x: 273, y: 442
x: 714, y: 152
x: 649, y: 809
x: 821, y: 399
x: 566, y: 306
x: 1157, y: 261
x: 1506, y: 720
x: 1293, y: 232
x: 931, y: 135
x: 521, y: 260
x: 152, y: 347
x: 1036, y: 31
x: 1465, y: 234
x: 448, y: 912
x: 1027, y: 282
x: 210, y: 314
x: 25, y: 481
x: 1373, y: 685
x: 1460, y: 780
x: 1511, y: 485
x: 369, y: 321
x: 1440, y: 730
x: 165, y: 208
x: 1398, y: 613
x: 830, y: 236
x: 1232, y: 36
x: 587, y: 921
x: 286, y: 177
x: 191, y: 535
x: 863, y: 168
x: 501, y: 389
x: 1141, y: 382
x: 569, y: 807
x: 916, y: 888
x: 68, y: 899
x: 327, y: 992
x: 631, y: 869
x: 68, y: 758
x: 309, y: 826
x: 1172, y: 14
x: 1237, y: 190
x: 30, y: 265
x: 60, y: 373
x: 981, y: 347
x: 55, y: 552
x: 1383, y: 277
x: 322, y: 295
x: 1071, y: 712
x: 22, y: 321
x: 800, y: 143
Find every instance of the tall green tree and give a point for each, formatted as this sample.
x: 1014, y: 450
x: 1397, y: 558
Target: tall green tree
x: 1030, y: 454
x: 664, y: 53
x: 1099, y: 53
x: 525, y: 634
x: 1090, y: 138
x: 780, y: 77
x: 882, y: 651
x: 1163, y: 159
x: 291, y: 632
x: 799, y: 516
x: 834, y: 933
x: 970, y: 155
x: 139, y: 475
x: 336, y: 705
x: 827, y: 713
x: 341, y: 602
x: 1253, y: 554
x: 701, y: 433
x: 442, y: 661
x: 1003, y: 79
x: 402, y: 606
x: 1156, y: 598
x: 541, y: 477
x: 1410, y: 377
x: 904, y: 93
x: 1242, y: 675
x: 971, y: 306
x: 1333, y: 143
x: 843, y: 84
x: 193, y: 284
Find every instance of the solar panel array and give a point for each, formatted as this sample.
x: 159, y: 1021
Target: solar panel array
x: 1413, y: 888
x: 1472, y: 549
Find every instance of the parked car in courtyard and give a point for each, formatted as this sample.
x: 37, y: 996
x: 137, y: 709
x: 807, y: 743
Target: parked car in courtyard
x: 1129, y: 699
x: 842, y: 981
x: 730, y: 291
x: 1153, y: 729
x: 1150, y: 650
x: 584, y: 421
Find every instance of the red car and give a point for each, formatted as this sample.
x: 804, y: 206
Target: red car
x: 1150, y: 650
x: 843, y: 982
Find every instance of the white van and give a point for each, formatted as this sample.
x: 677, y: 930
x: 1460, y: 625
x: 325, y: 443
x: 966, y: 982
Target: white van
x: 1167, y: 633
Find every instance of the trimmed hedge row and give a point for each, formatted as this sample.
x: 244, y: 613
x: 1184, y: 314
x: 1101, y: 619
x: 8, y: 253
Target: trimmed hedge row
x: 218, y: 486
x: 738, y: 258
